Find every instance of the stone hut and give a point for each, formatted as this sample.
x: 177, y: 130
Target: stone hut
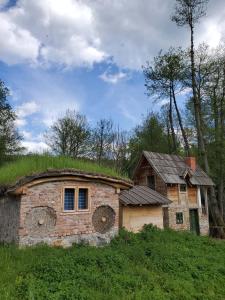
x: 61, y: 207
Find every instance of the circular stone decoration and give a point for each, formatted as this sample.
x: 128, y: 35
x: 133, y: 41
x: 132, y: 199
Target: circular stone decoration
x: 103, y: 218
x: 40, y: 220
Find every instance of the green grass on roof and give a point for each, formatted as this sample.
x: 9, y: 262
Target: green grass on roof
x: 31, y: 164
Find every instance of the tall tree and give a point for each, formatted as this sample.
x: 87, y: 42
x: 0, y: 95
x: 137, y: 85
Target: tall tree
x: 69, y: 135
x: 214, y: 115
x: 188, y: 13
x: 164, y: 78
x: 149, y: 136
x: 102, y: 138
x: 119, y: 149
x: 9, y: 136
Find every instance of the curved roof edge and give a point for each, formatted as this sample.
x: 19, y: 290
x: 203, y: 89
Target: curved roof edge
x: 62, y: 174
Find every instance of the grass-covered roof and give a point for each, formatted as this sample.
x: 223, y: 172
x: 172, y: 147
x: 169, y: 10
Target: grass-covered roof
x: 29, y: 165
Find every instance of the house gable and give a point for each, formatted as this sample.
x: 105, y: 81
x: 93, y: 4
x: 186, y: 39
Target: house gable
x: 145, y: 170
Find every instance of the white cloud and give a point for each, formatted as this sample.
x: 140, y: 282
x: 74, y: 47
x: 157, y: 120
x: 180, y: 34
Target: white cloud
x: 27, y: 109
x: 74, y: 33
x: 19, y: 45
x: 35, y: 147
x: 64, y: 33
x: 163, y: 102
x: 185, y: 91
x: 26, y: 134
x: 3, y: 3
x: 34, y: 143
x: 113, y: 78
x: 20, y: 122
x: 213, y: 33
x: 23, y: 111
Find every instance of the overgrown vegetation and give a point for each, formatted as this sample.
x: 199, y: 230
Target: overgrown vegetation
x: 31, y: 164
x: 9, y: 136
x: 153, y: 264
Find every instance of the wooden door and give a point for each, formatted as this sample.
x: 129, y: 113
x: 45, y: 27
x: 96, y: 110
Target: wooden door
x: 194, y: 221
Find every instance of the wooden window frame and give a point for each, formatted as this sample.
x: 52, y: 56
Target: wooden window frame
x: 76, y: 199
x: 185, y: 188
x: 154, y: 181
x: 63, y: 199
x: 179, y: 213
x: 77, y: 207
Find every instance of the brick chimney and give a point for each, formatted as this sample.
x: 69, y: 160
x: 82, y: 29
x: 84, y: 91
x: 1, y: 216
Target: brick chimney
x: 191, y: 162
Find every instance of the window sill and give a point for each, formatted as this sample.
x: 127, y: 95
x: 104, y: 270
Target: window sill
x: 75, y: 212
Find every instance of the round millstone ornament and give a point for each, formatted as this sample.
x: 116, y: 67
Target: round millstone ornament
x: 40, y: 220
x: 103, y: 218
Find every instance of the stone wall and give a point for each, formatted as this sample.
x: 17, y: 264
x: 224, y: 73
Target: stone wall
x: 175, y: 208
x: 203, y: 223
x: 43, y: 203
x: 9, y: 219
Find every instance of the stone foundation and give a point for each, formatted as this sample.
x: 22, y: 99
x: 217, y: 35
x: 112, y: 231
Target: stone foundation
x: 95, y: 239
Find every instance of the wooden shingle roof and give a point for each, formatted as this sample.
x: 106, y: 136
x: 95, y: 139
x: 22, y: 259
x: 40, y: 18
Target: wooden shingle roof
x: 142, y: 195
x: 171, y: 169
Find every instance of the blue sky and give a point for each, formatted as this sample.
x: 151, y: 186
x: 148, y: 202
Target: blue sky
x: 87, y: 55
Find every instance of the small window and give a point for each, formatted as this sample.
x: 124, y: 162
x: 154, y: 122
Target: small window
x: 69, y: 199
x: 179, y: 218
x: 83, y: 199
x: 151, y: 182
x: 183, y: 188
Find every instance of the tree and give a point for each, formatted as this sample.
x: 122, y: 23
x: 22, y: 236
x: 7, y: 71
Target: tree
x: 188, y: 13
x: 69, y: 135
x: 149, y: 136
x: 214, y: 116
x: 9, y: 136
x: 102, y: 138
x: 120, y: 149
x: 164, y: 79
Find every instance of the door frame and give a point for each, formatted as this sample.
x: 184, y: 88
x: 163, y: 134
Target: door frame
x: 195, y: 228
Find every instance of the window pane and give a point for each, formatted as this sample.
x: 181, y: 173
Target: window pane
x: 83, y: 199
x: 69, y: 199
x: 179, y: 218
x: 183, y: 187
x: 151, y: 182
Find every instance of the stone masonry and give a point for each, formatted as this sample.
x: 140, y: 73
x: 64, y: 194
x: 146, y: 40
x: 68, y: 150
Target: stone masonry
x: 9, y: 219
x: 64, y: 228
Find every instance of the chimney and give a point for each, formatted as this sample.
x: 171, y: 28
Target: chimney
x: 191, y: 162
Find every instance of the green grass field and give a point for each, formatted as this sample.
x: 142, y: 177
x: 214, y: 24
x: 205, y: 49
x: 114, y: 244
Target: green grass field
x: 153, y: 265
x: 31, y: 164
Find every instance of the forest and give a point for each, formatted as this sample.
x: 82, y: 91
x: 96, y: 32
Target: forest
x: 189, y: 87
